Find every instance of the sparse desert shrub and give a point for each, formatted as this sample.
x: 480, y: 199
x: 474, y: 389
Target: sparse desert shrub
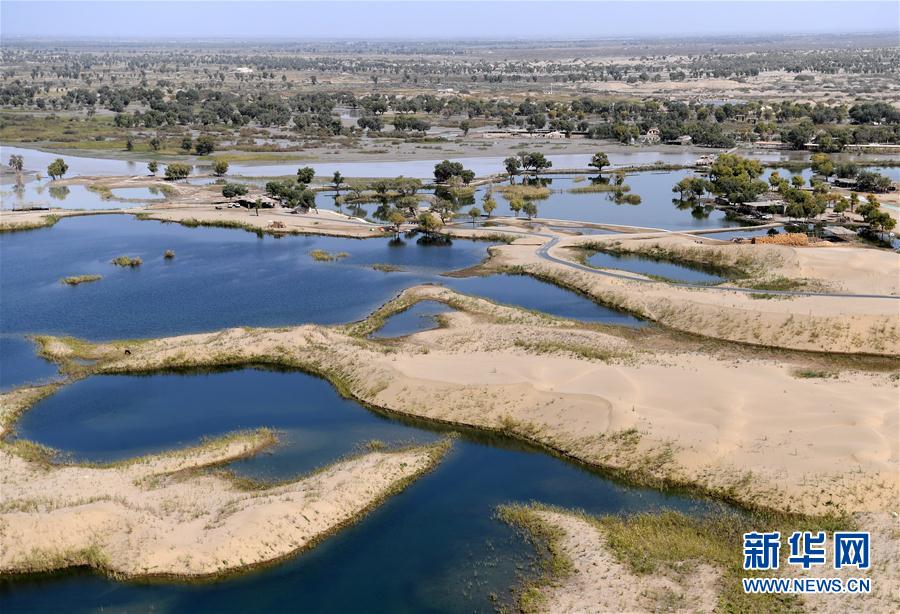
x: 127, y: 261
x: 80, y: 279
x: 321, y: 255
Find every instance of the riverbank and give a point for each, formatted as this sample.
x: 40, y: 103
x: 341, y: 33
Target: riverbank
x: 164, y: 516
x: 849, y: 305
x: 645, y: 406
x: 663, y: 562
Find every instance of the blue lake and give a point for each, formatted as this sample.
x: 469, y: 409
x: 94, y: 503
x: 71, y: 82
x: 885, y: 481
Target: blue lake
x: 418, y: 318
x: 648, y: 266
x: 48, y: 195
x: 19, y: 364
x: 224, y: 277
x: 434, y: 547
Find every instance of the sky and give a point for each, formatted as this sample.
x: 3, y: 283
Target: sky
x: 441, y: 20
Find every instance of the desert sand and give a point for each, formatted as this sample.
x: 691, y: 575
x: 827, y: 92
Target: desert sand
x: 845, y: 324
x: 159, y: 515
x: 646, y: 409
x: 589, y: 576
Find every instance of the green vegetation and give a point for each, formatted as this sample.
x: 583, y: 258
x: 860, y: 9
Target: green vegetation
x: 321, y: 255
x: 44, y: 222
x: 443, y: 171
x: 599, y: 187
x: 735, y: 178
x: 220, y: 167
x: 524, y: 191
x: 388, y: 268
x: 232, y: 190
x: 177, y: 170
x: 778, y: 284
x: 599, y: 160
x: 669, y: 544
x: 813, y: 374
x: 548, y: 346
x: 127, y: 261
x: 546, y: 538
x: 57, y: 168
x: 80, y: 279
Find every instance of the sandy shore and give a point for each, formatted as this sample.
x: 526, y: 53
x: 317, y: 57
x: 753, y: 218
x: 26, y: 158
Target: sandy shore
x: 589, y: 577
x: 159, y: 515
x: 587, y: 573
x: 814, y: 323
x: 788, y: 431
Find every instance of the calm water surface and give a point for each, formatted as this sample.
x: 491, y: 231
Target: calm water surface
x: 19, y: 363
x: 649, y: 266
x: 418, y: 318
x: 224, y: 277
x: 435, y: 547
x: 47, y: 195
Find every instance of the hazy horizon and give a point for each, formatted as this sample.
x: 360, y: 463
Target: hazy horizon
x: 420, y: 21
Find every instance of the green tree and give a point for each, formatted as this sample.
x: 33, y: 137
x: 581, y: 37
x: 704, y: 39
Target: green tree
x: 775, y: 180
x: 177, y: 170
x: 446, y: 169
x: 735, y: 178
x: 529, y: 209
x: 17, y: 163
x: 867, y: 181
x: 153, y: 166
x: 230, y: 190
x: 464, y: 125
x: 474, y: 213
x: 536, y: 162
x: 516, y: 205
x: 57, y: 168
x: 691, y: 189
x: 599, y: 160
x: 186, y: 143
x: 155, y: 143
x: 305, y: 175
x: 205, y: 145
x: 429, y: 223
x: 512, y: 165
x: 396, y: 219
x: 488, y: 203
x: 337, y: 179
x: 220, y: 167
x: 822, y: 164
x: 129, y: 144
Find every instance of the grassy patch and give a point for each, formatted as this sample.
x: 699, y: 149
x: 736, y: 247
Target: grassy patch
x: 127, y: 261
x: 44, y: 222
x: 778, y: 284
x: 42, y: 561
x: 555, y: 347
x: 674, y: 544
x: 668, y: 544
x: 813, y: 374
x: 321, y: 255
x: 387, y: 268
x: 524, y: 191
x: 597, y: 188
x: 555, y: 565
x: 80, y: 279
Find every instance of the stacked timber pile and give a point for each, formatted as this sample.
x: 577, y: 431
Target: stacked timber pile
x: 797, y: 239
